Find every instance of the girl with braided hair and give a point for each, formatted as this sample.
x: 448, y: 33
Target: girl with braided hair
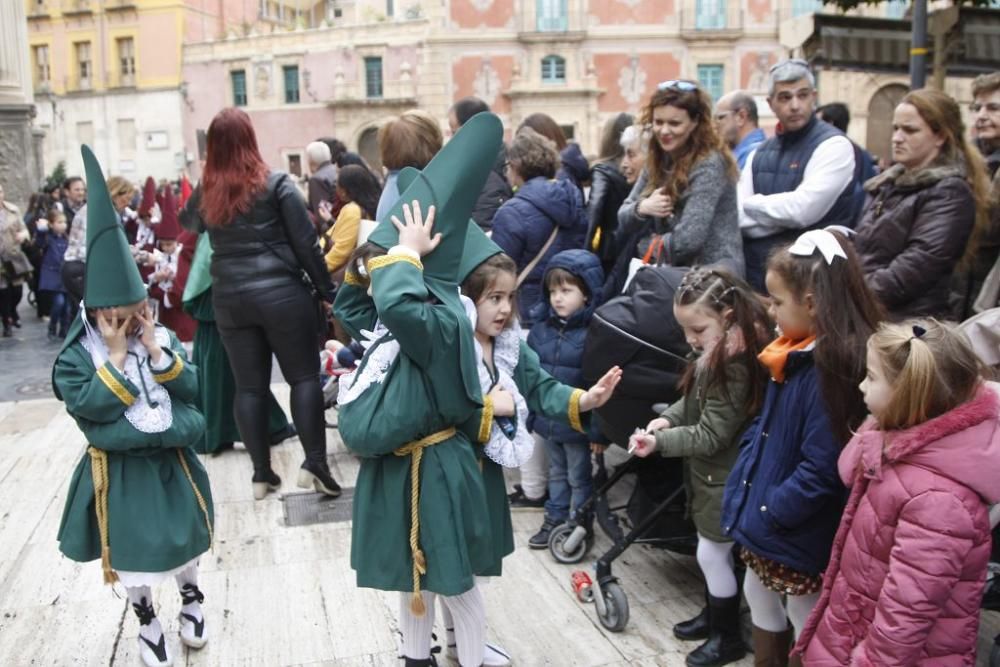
x: 727, y: 326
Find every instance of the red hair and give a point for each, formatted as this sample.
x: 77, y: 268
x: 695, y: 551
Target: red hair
x: 234, y: 172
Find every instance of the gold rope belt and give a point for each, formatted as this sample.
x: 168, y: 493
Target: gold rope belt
x: 415, y: 450
x: 99, y: 473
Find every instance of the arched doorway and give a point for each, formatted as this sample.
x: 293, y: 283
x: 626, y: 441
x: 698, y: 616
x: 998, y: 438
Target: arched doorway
x: 368, y: 148
x: 880, y: 110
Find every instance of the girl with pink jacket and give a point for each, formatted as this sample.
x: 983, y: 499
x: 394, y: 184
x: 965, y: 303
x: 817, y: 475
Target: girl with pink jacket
x: 908, y: 566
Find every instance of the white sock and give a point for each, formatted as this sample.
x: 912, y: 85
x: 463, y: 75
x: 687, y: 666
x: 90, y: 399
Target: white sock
x: 716, y: 562
x: 449, y: 623
x: 416, y: 629
x: 469, y: 614
x: 142, y: 597
x: 189, y: 578
x: 766, y: 609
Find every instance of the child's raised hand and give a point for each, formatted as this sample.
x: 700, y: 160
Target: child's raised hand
x: 416, y: 233
x: 503, y: 403
x: 114, y: 328
x: 148, y: 336
x: 657, y: 424
x: 601, y: 392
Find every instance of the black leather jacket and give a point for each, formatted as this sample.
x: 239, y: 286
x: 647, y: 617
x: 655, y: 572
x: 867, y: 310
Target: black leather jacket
x: 266, y: 247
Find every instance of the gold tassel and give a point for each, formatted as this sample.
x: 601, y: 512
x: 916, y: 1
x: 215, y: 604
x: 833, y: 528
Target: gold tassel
x: 99, y: 474
x: 417, y: 605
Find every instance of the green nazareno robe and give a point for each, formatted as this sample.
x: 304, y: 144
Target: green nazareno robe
x: 155, y: 520
x: 430, y: 386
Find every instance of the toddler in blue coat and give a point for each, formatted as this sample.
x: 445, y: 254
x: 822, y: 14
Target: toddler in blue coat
x: 571, y: 281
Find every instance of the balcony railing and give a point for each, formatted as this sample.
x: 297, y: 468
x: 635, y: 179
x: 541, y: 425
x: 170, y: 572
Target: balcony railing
x: 356, y: 92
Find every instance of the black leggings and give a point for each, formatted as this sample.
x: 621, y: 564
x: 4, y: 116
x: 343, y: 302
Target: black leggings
x: 9, y: 298
x: 281, y: 320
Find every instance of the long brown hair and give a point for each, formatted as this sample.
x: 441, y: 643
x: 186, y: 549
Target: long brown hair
x: 931, y: 367
x: 744, y: 315
x: 235, y: 173
x: 546, y: 126
x: 673, y: 174
x: 846, y: 315
x: 942, y: 115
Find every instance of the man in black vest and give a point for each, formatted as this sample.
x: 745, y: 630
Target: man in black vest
x: 800, y: 179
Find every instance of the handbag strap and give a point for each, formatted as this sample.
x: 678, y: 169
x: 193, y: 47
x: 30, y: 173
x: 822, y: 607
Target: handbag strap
x: 533, y: 263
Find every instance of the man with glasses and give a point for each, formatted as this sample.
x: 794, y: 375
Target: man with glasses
x: 802, y: 178
x: 736, y: 120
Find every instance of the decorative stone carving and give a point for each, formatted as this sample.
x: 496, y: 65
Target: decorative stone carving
x: 262, y: 80
x: 632, y: 81
x: 487, y: 83
x: 482, y: 5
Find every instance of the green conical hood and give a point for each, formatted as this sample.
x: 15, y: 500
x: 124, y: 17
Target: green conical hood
x: 451, y: 182
x: 477, y: 249
x: 112, y: 276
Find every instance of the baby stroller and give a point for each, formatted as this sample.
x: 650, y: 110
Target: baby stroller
x: 637, y: 332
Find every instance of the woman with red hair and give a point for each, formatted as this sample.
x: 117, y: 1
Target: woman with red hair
x: 267, y: 272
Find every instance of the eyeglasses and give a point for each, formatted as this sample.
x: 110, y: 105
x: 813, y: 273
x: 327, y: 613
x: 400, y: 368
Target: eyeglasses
x: 991, y: 107
x: 678, y: 84
x: 794, y: 61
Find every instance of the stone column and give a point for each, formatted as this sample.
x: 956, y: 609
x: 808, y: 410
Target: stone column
x: 20, y: 171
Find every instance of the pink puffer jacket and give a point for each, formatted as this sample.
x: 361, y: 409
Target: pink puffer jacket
x: 908, y: 567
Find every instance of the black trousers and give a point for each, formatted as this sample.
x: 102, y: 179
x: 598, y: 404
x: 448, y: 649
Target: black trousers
x: 253, y: 325
x: 10, y: 297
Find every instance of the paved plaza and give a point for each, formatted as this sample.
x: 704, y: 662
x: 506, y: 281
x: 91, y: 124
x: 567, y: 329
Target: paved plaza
x: 279, y: 595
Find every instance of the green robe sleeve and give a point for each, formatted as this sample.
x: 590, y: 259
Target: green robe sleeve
x: 180, y: 378
x: 100, y: 395
x: 544, y: 394
x: 353, y: 308
x: 405, y: 306
x: 722, y: 419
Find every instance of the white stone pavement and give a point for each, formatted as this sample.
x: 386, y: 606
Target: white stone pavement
x: 278, y: 595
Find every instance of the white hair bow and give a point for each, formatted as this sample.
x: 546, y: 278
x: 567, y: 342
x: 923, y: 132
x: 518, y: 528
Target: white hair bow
x: 822, y: 240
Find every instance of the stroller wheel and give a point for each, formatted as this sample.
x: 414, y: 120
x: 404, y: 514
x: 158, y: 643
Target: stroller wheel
x: 613, y: 614
x: 578, y: 547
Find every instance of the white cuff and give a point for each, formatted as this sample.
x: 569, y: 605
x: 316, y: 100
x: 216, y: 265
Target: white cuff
x: 404, y: 250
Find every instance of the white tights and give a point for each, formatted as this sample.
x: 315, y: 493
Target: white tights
x: 767, y: 611
x: 469, y: 615
x: 716, y: 562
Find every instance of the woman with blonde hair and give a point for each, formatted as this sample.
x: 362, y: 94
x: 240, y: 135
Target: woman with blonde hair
x: 925, y: 215
x: 408, y: 141
x: 682, y: 210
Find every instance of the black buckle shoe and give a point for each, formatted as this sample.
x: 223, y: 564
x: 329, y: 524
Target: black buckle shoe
x: 319, y: 478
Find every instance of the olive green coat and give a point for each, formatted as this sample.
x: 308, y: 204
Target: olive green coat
x: 155, y: 521
x: 707, y: 424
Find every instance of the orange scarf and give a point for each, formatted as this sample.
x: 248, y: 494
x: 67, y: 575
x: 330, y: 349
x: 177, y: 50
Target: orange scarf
x: 775, y: 355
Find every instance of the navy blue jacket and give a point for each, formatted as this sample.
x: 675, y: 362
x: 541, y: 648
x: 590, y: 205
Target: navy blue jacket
x: 574, y: 165
x: 559, y: 343
x: 784, y: 496
x: 50, y: 273
x: 524, y: 223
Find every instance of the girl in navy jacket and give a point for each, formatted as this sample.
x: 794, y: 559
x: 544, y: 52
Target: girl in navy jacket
x: 784, y: 497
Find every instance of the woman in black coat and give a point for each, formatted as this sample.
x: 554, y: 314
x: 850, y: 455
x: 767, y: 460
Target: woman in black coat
x: 608, y: 189
x: 267, y: 275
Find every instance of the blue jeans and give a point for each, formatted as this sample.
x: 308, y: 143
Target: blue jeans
x: 59, y: 314
x: 569, y: 478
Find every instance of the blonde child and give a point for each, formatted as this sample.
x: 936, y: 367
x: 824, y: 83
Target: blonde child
x: 727, y: 325
x: 783, y: 498
x: 909, y: 561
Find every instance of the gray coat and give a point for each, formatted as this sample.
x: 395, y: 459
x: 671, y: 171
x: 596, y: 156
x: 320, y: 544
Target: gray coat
x: 322, y: 185
x: 704, y: 228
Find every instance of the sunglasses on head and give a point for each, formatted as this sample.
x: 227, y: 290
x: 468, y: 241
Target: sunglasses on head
x: 678, y: 84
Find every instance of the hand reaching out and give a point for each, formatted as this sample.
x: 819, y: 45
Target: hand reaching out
x: 599, y: 394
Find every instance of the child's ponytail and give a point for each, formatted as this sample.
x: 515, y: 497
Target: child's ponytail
x: 931, y: 367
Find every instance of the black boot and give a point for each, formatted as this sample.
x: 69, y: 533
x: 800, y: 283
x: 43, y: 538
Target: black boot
x: 694, y: 628
x: 724, y: 645
x: 317, y: 475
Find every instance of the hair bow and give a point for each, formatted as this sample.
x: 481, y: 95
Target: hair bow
x: 818, y: 239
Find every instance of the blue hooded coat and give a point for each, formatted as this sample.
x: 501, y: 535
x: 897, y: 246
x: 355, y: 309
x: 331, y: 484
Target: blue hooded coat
x: 559, y: 343
x: 524, y: 223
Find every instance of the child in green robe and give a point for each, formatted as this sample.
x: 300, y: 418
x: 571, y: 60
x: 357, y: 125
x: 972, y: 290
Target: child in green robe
x: 139, y: 499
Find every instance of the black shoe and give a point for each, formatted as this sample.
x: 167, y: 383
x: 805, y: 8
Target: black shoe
x: 520, y: 501
x: 414, y: 662
x: 223, y: 446
x: 318, y: 477
x: 7, y: 333
x: 540, y: 540
x: 264, y: 482
x: 991, y: 598
x: 279, y: 437
x: 725, y: 642
x: 694, y: 628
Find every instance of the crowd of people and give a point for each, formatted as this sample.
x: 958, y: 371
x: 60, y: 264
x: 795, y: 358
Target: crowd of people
x: 847, y: 462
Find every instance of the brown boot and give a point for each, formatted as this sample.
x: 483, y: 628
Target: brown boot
x: 770, y: 649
